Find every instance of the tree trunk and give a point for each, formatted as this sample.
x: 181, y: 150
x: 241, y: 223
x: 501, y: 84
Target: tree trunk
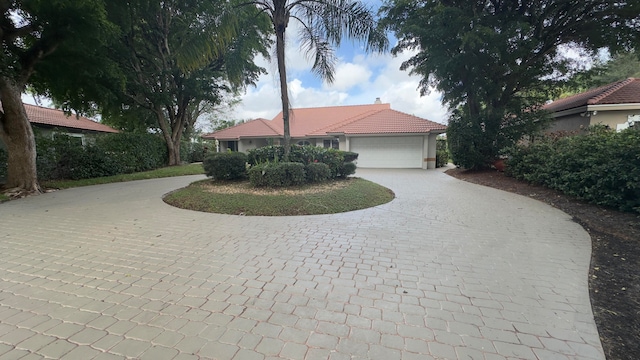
x: 280, y: 27
x: 17, y: 135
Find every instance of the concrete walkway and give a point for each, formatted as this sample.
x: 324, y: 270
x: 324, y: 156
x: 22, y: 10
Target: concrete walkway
x: 448, y: 270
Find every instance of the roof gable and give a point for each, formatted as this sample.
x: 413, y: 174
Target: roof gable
x: 621, y: 92
x: 57, y: 118
x: 252, y: 128
x: 321, y: 121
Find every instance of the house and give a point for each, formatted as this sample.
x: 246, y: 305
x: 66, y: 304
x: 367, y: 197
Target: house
x: 616, y: 105
x: 48, y: 122
x: 384, y: 138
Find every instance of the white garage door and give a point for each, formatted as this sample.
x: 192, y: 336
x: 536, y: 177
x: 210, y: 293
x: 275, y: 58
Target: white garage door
x: 388, y: 152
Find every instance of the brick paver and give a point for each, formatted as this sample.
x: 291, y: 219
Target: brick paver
x: 446, y: 270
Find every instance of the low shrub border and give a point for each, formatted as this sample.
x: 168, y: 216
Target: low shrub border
x: 601, y: 166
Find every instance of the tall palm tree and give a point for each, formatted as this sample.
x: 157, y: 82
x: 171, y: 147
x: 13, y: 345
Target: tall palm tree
x: 323, y: 25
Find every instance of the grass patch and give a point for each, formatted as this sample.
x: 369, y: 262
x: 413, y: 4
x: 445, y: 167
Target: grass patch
x: 240, y: 198
x: 191, y: 169
x: 3, y: 198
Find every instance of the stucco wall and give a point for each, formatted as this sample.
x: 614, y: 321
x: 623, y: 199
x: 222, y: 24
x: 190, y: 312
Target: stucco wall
x: 612, y: 118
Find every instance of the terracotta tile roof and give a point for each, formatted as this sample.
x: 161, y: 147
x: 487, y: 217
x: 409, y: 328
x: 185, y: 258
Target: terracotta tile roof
x: 253, y: 128
x: 388, y: 122
x: 319, y: 121
x: 57, y: 118
x: 622, y: 92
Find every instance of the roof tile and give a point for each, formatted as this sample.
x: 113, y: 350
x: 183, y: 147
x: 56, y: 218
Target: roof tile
x: 621, y: 92
x: 57, y: 118
x: 320, y: 121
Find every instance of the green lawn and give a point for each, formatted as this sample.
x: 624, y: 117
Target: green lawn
x: 339, y: 196
x: 191, y: 169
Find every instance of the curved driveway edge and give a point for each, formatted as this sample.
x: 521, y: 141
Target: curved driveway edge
x: 448, y: 270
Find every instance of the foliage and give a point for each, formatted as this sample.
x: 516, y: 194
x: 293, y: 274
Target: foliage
x: 226, y: 165
x: 601, y: 166
x: 171, y: 61
x: 41, y: 40
x: 335, y: 197
x: 192, y: 152
x: 280, y: 174
x: 346, y: 169
x: 442, y: 153
x: 495, y: 61
x: 323, y: 23
x: 317, y: 172
x: 64, y: 157
x: 182, y: 170
x: 350, y: 156
x: 333, y: 158
x: 621, y: 66
x: 3, y: 163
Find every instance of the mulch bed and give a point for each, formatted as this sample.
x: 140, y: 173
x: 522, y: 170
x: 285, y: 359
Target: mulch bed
x: 614, y: 276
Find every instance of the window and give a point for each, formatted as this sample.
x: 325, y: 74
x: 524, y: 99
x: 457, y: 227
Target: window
x: 304, y: 142
x: 333, y: 143
x: 232, y: 145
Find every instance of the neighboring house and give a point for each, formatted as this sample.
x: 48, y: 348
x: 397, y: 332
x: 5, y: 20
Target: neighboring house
x: 615, y: 105
x: 383, y: 137
x: 49, y: 122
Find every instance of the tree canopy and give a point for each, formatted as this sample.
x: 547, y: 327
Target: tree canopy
x: 38, y: 38
x: 494, y: 60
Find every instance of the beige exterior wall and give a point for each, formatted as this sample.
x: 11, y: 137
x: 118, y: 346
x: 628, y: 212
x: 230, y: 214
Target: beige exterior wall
x: 612, y: 118
x: 429, y: 151
x: 244, y: 145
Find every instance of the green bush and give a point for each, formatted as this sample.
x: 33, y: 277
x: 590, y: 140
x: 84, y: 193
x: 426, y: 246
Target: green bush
x: 347, y: 169
x: 226, y: 165
x: 350, y: 156
x: 601, y: 166
x: 134, y: 152
x: 333, y: 158
x: 277, y: 174
x: 317, y: 172
x: 191, y: 152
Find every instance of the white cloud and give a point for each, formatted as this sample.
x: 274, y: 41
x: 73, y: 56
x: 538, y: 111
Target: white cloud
x: 359, y: 80
x: 349, y: 75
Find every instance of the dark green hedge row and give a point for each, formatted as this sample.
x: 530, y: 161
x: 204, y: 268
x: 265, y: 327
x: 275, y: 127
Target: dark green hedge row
x: 226, y: 166
x: 335, y: 159
x: 442, y: 153
x: 601, y: 166
x: 64, y: 157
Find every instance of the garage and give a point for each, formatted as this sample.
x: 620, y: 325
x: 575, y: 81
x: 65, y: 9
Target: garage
x: 388, y: 152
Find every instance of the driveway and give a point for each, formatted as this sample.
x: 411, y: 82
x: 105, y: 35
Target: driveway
x: 448, y: 270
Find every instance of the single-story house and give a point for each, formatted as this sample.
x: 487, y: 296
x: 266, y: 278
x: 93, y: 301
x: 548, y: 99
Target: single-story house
x: 616, y: 105
x: 48, y: 122
x: 383, y: 137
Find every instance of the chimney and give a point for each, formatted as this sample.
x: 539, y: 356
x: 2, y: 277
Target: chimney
x: 377, y: 101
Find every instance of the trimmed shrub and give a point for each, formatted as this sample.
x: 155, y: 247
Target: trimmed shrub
x: 317, y: 172
x: 333, y: 158
x: 226, y: 166
x: 279, y: 174
x: 134, y: 152
x: 350, y: 156
x: 347, y: 169
x: 601, y: 166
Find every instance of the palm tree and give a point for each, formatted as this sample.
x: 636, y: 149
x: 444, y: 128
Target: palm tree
x: 323, y: 24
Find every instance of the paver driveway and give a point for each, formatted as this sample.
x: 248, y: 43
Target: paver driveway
x: 447, y: 270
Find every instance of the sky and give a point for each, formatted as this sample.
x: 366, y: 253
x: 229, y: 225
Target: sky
x: 360, y: 78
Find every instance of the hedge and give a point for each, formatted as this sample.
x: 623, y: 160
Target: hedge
x: 226, y: 166
x: 601, y: 166
x: 333, y: 158
x: 278, y: 174
x: 316, y: 172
